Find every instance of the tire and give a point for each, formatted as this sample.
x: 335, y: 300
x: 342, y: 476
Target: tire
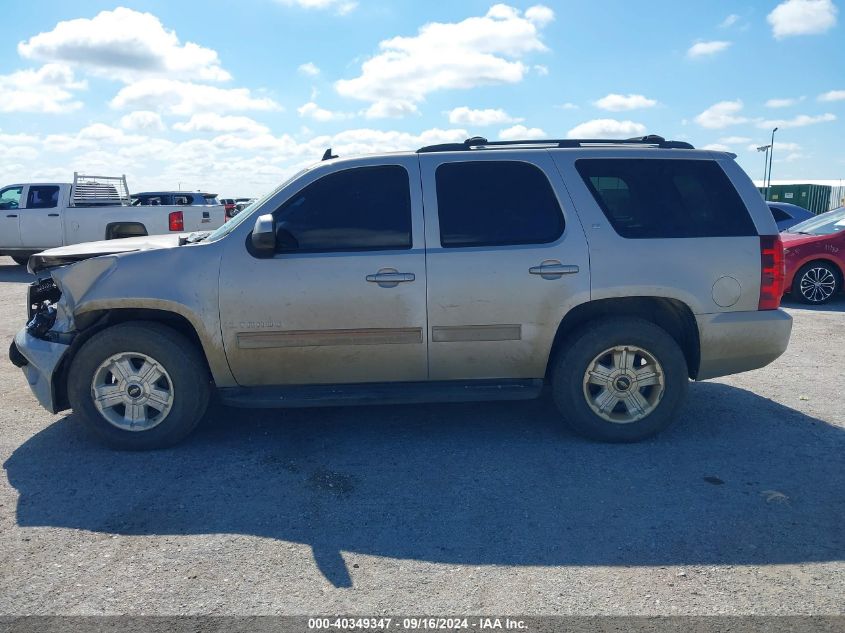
x: 184, y: 386
x: 817, y: 283
x: 592, y: 347
x: 20, y: 260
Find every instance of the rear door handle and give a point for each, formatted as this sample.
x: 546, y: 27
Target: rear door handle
x: 390, y: 278
x: 11, y: 215
x: 53, y: 215
x: 553, y: 269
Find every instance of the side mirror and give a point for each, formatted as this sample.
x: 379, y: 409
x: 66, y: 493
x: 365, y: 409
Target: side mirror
x: 264, y: 235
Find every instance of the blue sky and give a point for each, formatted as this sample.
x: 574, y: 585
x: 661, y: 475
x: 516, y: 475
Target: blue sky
x: 234, y: 96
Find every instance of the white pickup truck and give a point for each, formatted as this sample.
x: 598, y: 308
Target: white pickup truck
x: 38, y: 216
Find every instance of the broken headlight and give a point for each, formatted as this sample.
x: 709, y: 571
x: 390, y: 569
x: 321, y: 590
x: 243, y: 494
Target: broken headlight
x: 43, y: 295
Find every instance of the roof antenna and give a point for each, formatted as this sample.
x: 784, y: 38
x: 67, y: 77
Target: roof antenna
x: 327, y: 155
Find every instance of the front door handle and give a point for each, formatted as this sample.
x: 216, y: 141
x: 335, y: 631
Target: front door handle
x: 390, y: 278
x: 11, y: 215
x: 53, y: 215
x: 553, y: 269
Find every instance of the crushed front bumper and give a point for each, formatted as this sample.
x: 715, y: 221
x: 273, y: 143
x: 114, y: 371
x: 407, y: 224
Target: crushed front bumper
x: 42, y: 360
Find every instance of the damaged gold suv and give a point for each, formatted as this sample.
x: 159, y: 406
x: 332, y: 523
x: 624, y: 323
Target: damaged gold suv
x: 614, y: 271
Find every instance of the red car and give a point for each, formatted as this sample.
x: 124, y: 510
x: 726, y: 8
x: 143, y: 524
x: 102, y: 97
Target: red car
x: 814, y: 251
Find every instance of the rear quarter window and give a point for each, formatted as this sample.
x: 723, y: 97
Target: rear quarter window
x: 666, y: 198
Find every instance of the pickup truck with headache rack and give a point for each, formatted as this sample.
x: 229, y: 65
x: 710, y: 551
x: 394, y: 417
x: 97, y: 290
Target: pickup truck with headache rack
x: 38, y: 216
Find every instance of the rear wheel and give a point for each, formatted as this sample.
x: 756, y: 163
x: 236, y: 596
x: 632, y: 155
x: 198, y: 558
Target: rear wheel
x: 139, y: 386
x: 817, y: 283
x: 620, y: 380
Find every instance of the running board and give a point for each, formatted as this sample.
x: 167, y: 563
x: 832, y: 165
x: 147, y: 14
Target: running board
x: 380, y: 393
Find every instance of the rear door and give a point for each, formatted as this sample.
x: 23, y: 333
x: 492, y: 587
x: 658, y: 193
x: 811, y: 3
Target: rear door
x: 506, y: 259
x: 41, y: 219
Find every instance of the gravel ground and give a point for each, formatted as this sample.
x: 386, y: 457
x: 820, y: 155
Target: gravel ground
x: 737, y: 509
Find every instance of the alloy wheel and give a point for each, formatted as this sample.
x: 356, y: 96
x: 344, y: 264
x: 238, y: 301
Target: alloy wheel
x: 132, y: 391
x: 817, y: 284
x: 624, y: 384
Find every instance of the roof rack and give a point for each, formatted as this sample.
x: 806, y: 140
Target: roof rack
x: 479, y: 142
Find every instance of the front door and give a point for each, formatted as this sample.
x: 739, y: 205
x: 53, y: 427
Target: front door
x: 506, y: 259
x: 343, y: 299
x: 41, y: 221
x: 10, y: 203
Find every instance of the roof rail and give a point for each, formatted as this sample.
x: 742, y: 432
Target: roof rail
x: 479, y: 142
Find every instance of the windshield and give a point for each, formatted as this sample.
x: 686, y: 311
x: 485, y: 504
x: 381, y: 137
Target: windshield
x: 239, y: 219
x: 824, y: 224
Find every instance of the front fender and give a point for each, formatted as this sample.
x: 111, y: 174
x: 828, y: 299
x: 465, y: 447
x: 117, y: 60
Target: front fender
x: 183, y: 281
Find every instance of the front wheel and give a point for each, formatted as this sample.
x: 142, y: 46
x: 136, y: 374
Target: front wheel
x: 816, y: 283
x: 620, y: 380
x: 139, y: 386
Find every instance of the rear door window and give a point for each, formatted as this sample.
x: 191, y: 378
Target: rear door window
x: 664, y: 198
x: 42, y: 197
x: 493, y: 203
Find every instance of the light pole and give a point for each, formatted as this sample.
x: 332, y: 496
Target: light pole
x: 765, y: 148
x: 771, y: 156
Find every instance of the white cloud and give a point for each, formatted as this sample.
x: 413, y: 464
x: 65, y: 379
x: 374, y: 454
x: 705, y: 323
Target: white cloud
x: 782, y: 103
x: 567, y: 106
x: 706, y: 49
x: 717, y: 147
x: 447, y: 56
x: 802, y: 120
x: 721, y: 115
x: 390, y: 109
x: 18, y: 139
x: 186, y: 98
x: 734, y: 140
x: 519, y: 132
x: 729, y: 21
x: 541, y: 70
x: 213, y: 122
x: 124, y: 44
x: 802, y: 17
x: 309, y: 68
x: 142, y: 120
x: 231, y: 164
x: 619, y: 103
x: 47, y: 89
x: 91, y: 137
x: 607, y: 128
x: 833, y: 95
x: 480, y: 118
x: 311, y: 110
x: 341, y: 7
x: 539, y: 14
x: 779, y: 147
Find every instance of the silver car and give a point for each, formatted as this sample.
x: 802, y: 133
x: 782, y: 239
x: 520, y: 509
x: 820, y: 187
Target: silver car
x: 614, y: 271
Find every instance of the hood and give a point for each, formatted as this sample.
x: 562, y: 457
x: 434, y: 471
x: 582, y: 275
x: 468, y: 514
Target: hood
x: 65, y: 255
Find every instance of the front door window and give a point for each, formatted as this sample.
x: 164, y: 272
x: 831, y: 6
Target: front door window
x: 10, y: 198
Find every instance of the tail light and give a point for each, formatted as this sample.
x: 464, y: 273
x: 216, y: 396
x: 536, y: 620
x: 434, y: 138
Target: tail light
x: 177, y: 221
x: 772, y: 272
